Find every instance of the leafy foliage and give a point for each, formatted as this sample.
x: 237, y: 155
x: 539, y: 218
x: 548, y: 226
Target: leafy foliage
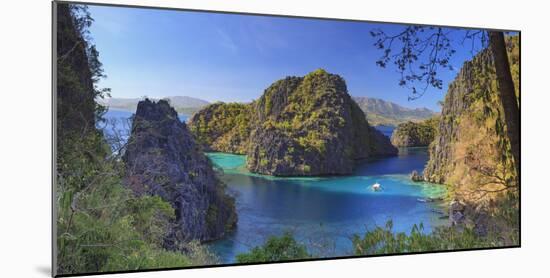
x: 309, y: 108
x: 420, y: 52
x: 308, y: 112
x: 223, y: 126
x: 412, y: 134
x: 473, y: 153
x: 78, y: 70
x: 226, y: 126
x: 300, y: 126
x: 101, y: 225
x: 275, y: 249
x: 382, y: 240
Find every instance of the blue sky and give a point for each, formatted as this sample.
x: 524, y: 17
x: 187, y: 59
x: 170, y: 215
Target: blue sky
x: 226, y: 57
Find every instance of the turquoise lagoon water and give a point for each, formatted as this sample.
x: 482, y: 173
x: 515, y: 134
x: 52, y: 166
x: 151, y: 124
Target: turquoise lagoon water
x: 321, y: 212
x: 325, y: 212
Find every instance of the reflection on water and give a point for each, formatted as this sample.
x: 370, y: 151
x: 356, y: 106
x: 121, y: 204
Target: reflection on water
x: 324, y: 212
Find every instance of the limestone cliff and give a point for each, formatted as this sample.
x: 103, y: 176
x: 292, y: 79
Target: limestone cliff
x: 163, y: 159
x: 471, y: 149
x: 300, y: 126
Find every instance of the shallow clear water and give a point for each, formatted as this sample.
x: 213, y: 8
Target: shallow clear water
x: 326, y: 211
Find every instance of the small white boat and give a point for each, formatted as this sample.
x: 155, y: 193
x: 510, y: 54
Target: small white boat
x: 376, y: 187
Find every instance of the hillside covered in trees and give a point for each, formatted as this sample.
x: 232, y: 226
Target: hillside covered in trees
x: 101, y: 224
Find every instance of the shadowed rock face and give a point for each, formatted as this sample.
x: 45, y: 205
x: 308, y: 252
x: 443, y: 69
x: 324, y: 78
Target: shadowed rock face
x: 300, y: 126
x: 163, y: 159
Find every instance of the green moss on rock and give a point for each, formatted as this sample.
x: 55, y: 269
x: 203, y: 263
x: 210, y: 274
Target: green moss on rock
x: 471, y: 149
x: 223, y: 127
x: 411, y: 134
x: 300, y: 126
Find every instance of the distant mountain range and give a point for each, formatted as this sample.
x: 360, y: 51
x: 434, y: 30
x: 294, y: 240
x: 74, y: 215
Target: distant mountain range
x: 182, y: 104
x: 381, y: 112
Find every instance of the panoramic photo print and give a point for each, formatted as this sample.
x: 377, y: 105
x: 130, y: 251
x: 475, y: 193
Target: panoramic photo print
x: 193, y: 138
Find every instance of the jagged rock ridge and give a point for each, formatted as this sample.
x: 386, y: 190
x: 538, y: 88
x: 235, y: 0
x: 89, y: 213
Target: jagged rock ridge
x: 163, y: 159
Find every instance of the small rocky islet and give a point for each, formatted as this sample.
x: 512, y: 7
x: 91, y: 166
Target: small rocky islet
x: 415, y: 134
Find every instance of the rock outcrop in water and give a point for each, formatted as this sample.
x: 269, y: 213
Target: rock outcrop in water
x: 416, y: 177
x: 413, y: 134
x: 163, y: 159
x: 300, y: 126
x: 471, y: 148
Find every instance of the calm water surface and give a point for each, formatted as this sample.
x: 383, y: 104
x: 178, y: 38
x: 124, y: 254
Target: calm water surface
x: 324, y: 212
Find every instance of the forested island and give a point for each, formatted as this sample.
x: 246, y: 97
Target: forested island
x: 300, y: 126
x: 172, y: 193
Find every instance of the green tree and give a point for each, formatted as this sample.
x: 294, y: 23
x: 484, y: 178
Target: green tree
x: 383, y: 240
x: 101, y: 225
x: 283, y: 248
x: 423, y: 51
